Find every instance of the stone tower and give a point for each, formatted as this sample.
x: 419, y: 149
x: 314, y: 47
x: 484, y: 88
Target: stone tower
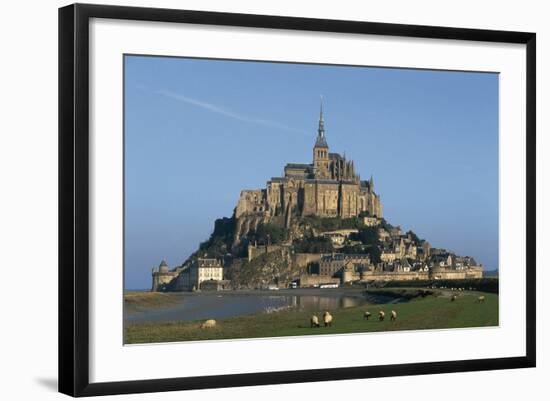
x: 327, y: 187
x: 320, y: 151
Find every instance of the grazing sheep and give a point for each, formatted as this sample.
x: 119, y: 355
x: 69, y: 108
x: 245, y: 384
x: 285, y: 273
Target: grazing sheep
x: 381, y: 315
x: 481, y: 298
x: 327, y: 319
x: 393, y: 316
x: 314, y: 321
x: 208, y: 324
x: 366, y: 315
x: 453, y: 298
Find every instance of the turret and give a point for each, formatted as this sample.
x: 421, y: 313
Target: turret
x: 163, y: 267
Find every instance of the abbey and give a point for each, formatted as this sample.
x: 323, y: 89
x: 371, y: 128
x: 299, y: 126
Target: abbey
x: 327, y: 187
x: 319, y: 224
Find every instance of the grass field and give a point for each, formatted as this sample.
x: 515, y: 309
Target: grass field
x: 431, y: 312
x: 135, y: 301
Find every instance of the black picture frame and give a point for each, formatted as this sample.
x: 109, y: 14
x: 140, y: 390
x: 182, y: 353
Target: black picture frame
x: 74, y: 198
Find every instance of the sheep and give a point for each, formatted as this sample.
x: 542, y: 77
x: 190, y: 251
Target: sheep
x: 327, y: 319
x: 393, y: 316
x: 208, y: 324
x: 314, y: 321
x: 453, y: 298
x: 481, y: 298
x: 381, y: 315
x: 366, y: 315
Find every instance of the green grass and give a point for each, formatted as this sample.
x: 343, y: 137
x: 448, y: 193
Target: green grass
x: 136, y: 301
x: 432, y: 312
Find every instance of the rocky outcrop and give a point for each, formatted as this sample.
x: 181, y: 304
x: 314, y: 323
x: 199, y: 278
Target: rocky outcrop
x: 273, y: 268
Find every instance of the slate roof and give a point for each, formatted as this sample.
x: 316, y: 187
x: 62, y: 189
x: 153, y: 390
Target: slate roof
x: 298, y: 165
x: 321, y: 142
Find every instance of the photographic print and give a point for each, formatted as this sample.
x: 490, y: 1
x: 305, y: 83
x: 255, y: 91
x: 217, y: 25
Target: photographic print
x: 271, y: 199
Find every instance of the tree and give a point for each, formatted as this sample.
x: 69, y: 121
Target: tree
x: 221, y: 238
x: 313, y: 245
x: 414, y: 237
x: 268, y: 233
x: 375, y: 254
x: 355, y: 249
x: 367, y: 235
x: 333, y: 223
x: 385, y: 225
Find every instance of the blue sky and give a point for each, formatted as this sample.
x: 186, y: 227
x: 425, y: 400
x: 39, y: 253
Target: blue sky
x: 199, y: 131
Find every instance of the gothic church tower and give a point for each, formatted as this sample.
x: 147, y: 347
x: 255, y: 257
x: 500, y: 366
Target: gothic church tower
x: 320, y: 151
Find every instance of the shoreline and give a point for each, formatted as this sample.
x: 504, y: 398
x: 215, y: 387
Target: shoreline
x: 164, y: 308
x: 435, y: 311
x: 142, y: 301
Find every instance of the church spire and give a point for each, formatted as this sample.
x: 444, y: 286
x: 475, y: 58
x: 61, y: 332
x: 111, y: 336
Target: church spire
x: 321, y: 130
x: 321, y: 141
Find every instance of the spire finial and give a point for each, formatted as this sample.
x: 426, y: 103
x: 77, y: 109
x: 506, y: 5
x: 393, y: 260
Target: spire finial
x: 321, y: 129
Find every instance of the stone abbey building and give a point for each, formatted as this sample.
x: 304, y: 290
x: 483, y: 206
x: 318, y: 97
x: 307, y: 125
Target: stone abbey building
x: 327, y: 187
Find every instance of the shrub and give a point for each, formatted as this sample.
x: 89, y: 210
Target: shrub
x: 385, y: 225
x: 332, y: 223
x: 221, y: 238
x: 269, y: 233
x: 367, y: 235
x: 414, y: 237
x: 375, y: 254
x: 353, y: 249
x: 313, y: 245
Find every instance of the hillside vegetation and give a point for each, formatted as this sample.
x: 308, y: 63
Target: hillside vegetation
x: 272, y: 267
x: 303, y: 236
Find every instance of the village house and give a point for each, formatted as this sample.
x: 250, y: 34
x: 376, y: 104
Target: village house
x: 200, y: 273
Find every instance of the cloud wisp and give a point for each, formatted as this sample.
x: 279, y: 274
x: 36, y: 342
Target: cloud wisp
x: 227, y: 113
